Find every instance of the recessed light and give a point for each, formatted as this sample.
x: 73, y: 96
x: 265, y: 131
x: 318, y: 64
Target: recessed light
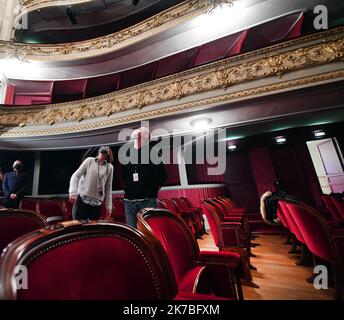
x: 280, y: 139
x: 319, y: 133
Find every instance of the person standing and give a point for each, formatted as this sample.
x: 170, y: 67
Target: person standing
x: 15, y: 185
x: 91, y: 186
x: 142, y: 177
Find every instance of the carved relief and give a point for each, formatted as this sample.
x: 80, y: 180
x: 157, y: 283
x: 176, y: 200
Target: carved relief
x: 220, y: 75
x: 108, y: 43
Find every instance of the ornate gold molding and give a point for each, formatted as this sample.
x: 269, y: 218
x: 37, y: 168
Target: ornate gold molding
x: 178, y: 108
x: 109, y: 43
x: 220, y: 75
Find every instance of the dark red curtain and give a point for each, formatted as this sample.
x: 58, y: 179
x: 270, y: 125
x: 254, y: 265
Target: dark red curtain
x: 310, y: 174
x: 262, y: 169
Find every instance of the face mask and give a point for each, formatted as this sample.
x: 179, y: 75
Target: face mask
x: 18, y: 167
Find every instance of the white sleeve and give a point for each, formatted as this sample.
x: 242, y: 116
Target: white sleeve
x: 74, y: 181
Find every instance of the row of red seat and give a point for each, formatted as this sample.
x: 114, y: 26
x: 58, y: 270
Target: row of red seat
x: 101, y: 259
x: 193, y: 216
x: 60, y: 209
x: 322, y: 236
x: 230, y: 229
x: 334, y: 206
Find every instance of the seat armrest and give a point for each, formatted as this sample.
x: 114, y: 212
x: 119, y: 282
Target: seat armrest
x: 230, y: 259
x: 197, y: 296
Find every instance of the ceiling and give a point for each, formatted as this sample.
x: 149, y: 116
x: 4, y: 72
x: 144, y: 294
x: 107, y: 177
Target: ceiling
x: 64, y: 23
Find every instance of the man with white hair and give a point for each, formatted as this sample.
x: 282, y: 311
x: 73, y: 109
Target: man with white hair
x: 142, y: 177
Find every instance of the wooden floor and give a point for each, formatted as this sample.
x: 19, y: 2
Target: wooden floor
x: 277, y: 275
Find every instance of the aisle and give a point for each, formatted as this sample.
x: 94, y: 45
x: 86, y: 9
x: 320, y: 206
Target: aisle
x: 277, y: 275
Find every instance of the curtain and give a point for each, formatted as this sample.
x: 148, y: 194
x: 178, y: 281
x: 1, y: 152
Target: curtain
x: 310, y: 174
x: 263, y: 170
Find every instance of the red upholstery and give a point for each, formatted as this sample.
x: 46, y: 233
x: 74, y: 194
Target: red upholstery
x: 196, y: 215
x: 274, y: 31
x: 183, y: 252
x: 220, y: 48
x: 88, y: 261
x: 118, y: 209
x: 137, y: 75
x: 339, y: 205
x: 102, y: 85
x: 228, y: 236
x: 67, y: 208
x: 51, y: 209
x: 323, y: 241
x: 292, y: 224
x: 15, y: 223
x: 28, y: 204
x: 175, y: 63
x: 331, y: 208
x: 186, y: 215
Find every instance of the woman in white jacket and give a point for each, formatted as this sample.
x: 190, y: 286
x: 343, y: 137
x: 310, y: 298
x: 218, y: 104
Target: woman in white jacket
x: 91, y: 185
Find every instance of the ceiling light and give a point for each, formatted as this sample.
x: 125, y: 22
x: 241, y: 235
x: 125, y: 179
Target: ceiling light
x: 319, y: 133
x: 200, y: 124
x: 232, y: 147
x: 280, y: 139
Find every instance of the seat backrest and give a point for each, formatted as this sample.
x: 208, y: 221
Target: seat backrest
x: 118, y: 209
x: 180, y: 204
x: 174, y: 235
x: 28, y: 204
x: 50, y: 208
x: 214, y: 222
x: 339, y: 204
x: 168, y: 205
x: 15, y: 223
x: 187, y: 201
x: 331, y: 208
x: 83, y: 261
x: 315, y: 230
x: 220, y: 209
x: 292, y: 225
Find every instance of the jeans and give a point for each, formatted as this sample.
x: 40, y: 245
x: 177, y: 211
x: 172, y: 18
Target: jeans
x: 132, y: 207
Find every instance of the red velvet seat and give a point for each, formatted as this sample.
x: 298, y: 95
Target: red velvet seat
x: 228, y: 216
x: 339, y: 205
x: 197, y: 272
x: 15, y: 223
x: 51, y: 209
x: 196, y: 215
x: 186, y: 215
x: 67, y: 209
x: 198, y: 210
x: 118, y: 210
x: 322, y: 240
x: 28, y: 204
x: 331, y: 208
x: 114, y: 262
x: 228, y: 237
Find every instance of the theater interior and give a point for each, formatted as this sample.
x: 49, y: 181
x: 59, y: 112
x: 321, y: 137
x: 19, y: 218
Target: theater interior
x: 253, y: 88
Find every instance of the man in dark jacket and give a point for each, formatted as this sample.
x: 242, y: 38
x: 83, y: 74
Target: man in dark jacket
x: 142, y: 177
x: 14, y: 185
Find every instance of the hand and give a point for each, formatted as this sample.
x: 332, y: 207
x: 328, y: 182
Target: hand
x: 108, y: 214
x: 72, y: 198
x: 13, y: 196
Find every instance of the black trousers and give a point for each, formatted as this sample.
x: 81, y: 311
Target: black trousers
x: 84, y: 211
x: 11, y: 204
